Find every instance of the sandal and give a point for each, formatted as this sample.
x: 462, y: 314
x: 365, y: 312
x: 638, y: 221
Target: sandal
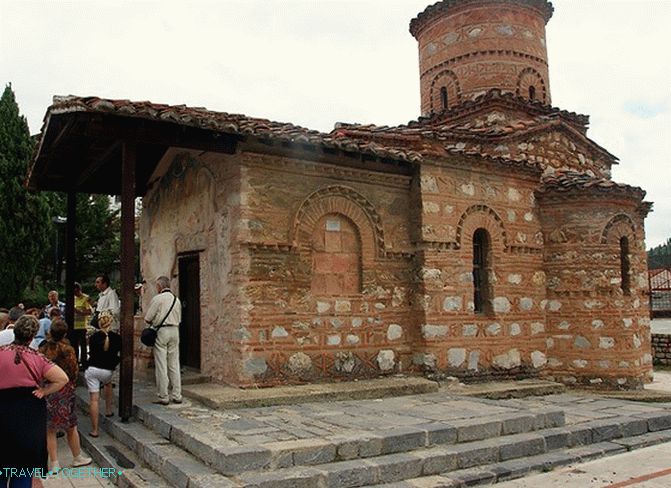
x: 109, y: 415
x: 93, y: 435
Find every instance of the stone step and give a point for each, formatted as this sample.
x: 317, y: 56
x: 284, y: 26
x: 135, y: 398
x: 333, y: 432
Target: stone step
x: 180, y: 468
x: 518, y: 468
x: 594, y: 438
x: 235, y: 459
x: 222, y: 397
x: 107, y: 452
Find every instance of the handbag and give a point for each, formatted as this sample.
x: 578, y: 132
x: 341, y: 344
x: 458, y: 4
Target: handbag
x: 94, y: 320
x: 150, y: 333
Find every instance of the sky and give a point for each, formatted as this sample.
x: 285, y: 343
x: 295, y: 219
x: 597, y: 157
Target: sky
x: 318, y: 62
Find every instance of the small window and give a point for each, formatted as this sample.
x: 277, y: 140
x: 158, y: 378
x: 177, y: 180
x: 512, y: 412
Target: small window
x: 624, y: 265
x: 481, y: 269
x: 443, y: 98
x: 532, y: 92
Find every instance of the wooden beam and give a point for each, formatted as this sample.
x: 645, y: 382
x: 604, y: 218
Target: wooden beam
x: 71, y: 264
x: 168, y: 134
x: 129, y: 157
x: 96, y: 164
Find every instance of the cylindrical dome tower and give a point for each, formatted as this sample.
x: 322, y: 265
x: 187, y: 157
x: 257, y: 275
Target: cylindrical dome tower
x: 467, y: 47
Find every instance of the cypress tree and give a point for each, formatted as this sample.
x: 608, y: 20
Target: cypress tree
x: 25, y: 223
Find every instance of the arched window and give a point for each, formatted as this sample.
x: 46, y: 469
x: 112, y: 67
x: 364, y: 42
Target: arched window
x: 481, y: 269
x: 532, y: 92
x: 624, y: 265
x: 443, y: 98
x: 336, y: 257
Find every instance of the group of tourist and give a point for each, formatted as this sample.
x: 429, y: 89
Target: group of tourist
x: 40, y: 360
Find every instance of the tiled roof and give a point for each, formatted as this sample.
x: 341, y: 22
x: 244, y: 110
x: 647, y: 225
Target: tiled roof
x: 567, y: 181
x: 235, y: 124
x: 423, y: 18
x: 449, y: 119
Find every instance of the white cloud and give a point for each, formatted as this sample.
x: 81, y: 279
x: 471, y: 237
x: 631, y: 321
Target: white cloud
x: 318, y: 62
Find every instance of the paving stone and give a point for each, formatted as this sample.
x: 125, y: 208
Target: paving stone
x: 348, y: 474
x: 180, y: 467
x: 522, y: 446
x: 469, y: 456
x: 203, y: 449
x: 474, y: 477
x: 437, y: 460
x: 509, y: 470
x: 468, y: 431
x: 594, y: 451
x: 633, y: 427
x: 605, y: 430
x: 403, y: 439
x: 370, y: 445
x: 556, y: 438
x: 579, y: 435
x: 657, y: 420
x: 301, y: 452
x: 435, y: 482
x: 211, y: 481
x: 282, y: 478
x: 439, y: 434
x: 235, y: 460
x: 517, y: 424
x: 645, y: 440
x: 396, y: 467
x: 552, y: 460
x: 554, y: 418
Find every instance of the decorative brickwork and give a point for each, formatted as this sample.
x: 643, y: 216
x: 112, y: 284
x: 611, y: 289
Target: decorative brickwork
x: 484, y: 44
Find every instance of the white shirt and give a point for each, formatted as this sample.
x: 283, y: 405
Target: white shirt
x: 159, y: 307
x: 6, y: 336
x: 109, y: 300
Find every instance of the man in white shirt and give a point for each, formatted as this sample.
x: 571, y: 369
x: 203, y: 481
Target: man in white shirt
x: 108, y: 300
x: 165, y: 310
x: 7, y: 335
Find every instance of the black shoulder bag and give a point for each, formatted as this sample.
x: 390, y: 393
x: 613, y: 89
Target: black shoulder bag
x: 149, y: 334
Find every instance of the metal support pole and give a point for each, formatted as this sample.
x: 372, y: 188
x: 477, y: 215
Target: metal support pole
x: 127, y: 278
x: 71, y: 264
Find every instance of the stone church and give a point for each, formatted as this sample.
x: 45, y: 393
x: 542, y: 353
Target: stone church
x: 483, y: 240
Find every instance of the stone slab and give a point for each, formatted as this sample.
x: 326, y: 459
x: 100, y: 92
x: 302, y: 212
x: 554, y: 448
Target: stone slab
x: 226, y: 397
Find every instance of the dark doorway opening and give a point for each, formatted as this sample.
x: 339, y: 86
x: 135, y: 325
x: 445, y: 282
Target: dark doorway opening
x: 189, y: 295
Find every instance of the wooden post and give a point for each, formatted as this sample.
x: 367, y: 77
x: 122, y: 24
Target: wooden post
x: 71, y: 264
x: 127, y: 278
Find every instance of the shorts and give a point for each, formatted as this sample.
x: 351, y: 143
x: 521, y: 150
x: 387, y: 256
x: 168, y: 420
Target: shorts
x: 97, y: 377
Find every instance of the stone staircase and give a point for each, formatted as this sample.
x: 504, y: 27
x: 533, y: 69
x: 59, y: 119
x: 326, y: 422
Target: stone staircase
x: 163, y: 448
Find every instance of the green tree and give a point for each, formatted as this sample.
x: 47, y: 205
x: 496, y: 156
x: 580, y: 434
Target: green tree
x: 25, y: 224
x: 660, y: 256
x: 97, y: 236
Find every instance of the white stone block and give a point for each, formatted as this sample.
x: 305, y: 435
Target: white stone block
x: 538, y: 359
x: 394, y: 332
x: 456, y: 357
x: 501, y: 305
x: 452, y: 304
x: 385, y: 360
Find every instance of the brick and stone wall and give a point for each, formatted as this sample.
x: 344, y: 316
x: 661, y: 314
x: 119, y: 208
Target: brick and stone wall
x: 328, y: 287
x: 195, y: 208
x: 509, y: 339
x: 598, y: 333
x: 471, y: 47
x: 661, y: 349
